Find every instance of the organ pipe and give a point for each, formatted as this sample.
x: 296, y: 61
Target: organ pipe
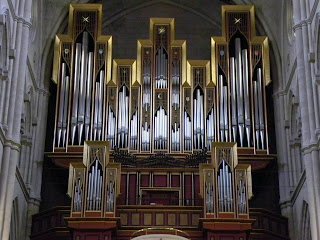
x: 88, y: 95
x: 225, y: 189
x: 94, y: 188
x: 245, y: 78
x: 123, y: 114
x: 239, y: 87
x: 187, y: 132
x: 134, y: 131
x: 234, y: 122
x: 75, y: 98
x: 198, y: 120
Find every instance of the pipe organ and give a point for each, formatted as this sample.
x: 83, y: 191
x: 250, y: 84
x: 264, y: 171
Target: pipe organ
x: 160, y: 115
x: 161, y: 101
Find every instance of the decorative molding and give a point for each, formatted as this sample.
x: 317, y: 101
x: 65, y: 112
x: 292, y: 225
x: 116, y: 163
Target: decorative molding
x: 16, y: 17
x: 33, y: 79
x: 310, y: 19
x: 22, y: 185
x: 298, y: 188
x: 289, y: 82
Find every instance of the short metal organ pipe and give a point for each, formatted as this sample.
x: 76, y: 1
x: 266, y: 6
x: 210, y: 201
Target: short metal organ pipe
x: 225, y: 189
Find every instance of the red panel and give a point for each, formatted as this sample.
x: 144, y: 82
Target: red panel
x: 123, y: 190
x: 187, y: 190
x: 198, y: 200
x: 175, y: 181
x: 132, y: 189
x: 145, y: 180
x: 160, y: 180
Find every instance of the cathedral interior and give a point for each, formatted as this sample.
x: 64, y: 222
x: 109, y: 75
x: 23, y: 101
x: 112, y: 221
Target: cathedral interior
x: 162, y: 119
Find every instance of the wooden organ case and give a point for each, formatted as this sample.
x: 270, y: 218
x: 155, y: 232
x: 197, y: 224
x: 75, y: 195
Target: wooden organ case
x: 160, y: 142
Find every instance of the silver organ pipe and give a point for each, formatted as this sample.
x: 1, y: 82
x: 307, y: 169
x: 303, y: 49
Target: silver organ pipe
x: 160, y: 129
x: 210, y: 129
x: 111, y: 127
x: 123, y: 114
x: 176, y: 85
x: 134, y: 131
x: 225, y: 189
x: 63, y: 106
x: 221, y: 110
x: 98, y: 108
x: 82, y: 86
x: 261, y: 118
x: 198, y: 118
x: 100, y: 105
x: 242, y: 199
x: 175, y: 137
x: 145, y: 138
x: 233, y: 100
x: 245, y: 78
x: 75, y: 98
x: 146, y: 85
x: 94, y: 188
x: 256, y: 113
x: 225, y: 113
x: 88, y: 95
x: 187, y: 132
x: 96, y: 111
x: 161, y: 78
x: 239, y: 86
x: 77, y: 197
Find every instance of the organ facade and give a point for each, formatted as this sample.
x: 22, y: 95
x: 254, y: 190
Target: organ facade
x: 161, y: 145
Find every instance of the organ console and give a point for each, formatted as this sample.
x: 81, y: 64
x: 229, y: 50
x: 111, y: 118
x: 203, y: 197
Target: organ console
x: 160, y: 111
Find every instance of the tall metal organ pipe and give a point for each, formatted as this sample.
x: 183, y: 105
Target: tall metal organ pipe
x: 123, y: 117
x: 198, y: 120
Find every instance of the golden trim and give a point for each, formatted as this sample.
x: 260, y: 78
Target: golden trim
x: 141, y: 44
x: 198, y: 63
x: 162, y: 21
x: 217, y: 145
x: 238, y: 8
x: 132, y: 63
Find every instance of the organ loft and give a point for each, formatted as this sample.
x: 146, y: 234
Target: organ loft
x: 161, y: 147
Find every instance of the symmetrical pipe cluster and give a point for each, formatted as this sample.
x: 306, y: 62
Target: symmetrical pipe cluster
x: 98, y: 108
x: 160, y: 129
x: 111, y: 127
x: 77, y: 199
x: 223, y: 117
x: 82, y: 84
x: 94, y: 188
x: 242, y: 199
x: 198, y: 120
x: 258, y: 111
x: 175, y: 137
x: 225, y: 186
x: 209, y: 197
x: 63, y: 105
x: 161, y: 79
x: 239, y: 78
x: 134, y: 123
x: 176, y: 85
x: 123, y: 117
x: 210, y: 128
x: 145, y: 137
x: 146, y: 96
x: 187, y: 132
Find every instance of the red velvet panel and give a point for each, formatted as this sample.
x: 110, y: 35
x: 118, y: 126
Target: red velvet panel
x: 144, y: 180
x: 160, y: 180
x: 198, y: 200
x: 175, y: 181
x: 132, y: 189
x: 123, y: 190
